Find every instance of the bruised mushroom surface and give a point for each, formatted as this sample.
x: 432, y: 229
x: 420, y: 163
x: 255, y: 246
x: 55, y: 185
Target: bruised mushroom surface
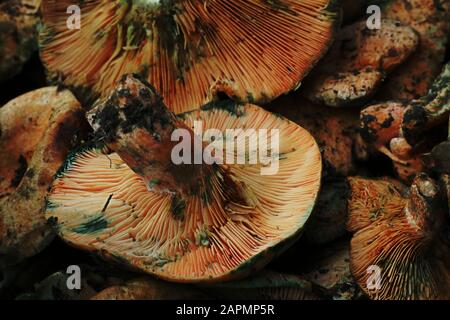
x: 408, y: 246
x: 38, y: 131
x: 254, y: 50
x: 186, y: 222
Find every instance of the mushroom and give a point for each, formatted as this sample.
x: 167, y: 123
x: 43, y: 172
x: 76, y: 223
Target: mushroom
x: 37, y: 131
x: 267, y: 285
x: 18, y: 34
x: 431, y: 20
x: 328, y: 219
x: 126, y: 197
x: 372, y: 199
x: 429, y: 111
x: 402, y: 130
x: 190, y: 50
x: 365, y: 57
x: 380, y: 124
x: 408, y: 247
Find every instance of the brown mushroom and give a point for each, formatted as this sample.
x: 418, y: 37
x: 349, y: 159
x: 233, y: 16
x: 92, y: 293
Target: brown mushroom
x: 408, y: 248
x: 185, y: 222
x: 329, y: 268
x: 372, y: 199
x: 430, y: 111
x: 38, y: 130
x: 353, y: 70
x: 267, y: 285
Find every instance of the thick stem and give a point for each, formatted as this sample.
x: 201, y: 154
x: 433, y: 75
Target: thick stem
x: 135, y: 123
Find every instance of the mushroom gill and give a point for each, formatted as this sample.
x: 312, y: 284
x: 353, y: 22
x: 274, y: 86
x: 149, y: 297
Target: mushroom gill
x: 189, y: 50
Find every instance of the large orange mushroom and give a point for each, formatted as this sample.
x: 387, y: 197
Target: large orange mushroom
x: 253, y: 50
x: 18, y: 34
x: 128, y: 199
x: 408, y: 246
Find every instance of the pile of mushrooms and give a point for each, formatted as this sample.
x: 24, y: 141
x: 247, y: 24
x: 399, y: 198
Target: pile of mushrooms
x: 356, y: 120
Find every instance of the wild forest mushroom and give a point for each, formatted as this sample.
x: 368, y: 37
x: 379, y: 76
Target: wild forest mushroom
x: 431, y: 20
x: 132, y: 202
x: 430, y: 111
x: 372, y: 199
x: 37, y: 131
x: 403, y: 130
x: 18, y: 34
x: 329, y: 268
x: 357, y: 63
x: 251, y: 50
x: 329, y: 217
x: 408, y: 247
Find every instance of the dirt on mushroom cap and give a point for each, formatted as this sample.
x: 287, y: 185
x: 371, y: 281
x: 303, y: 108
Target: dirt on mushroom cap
x: 23, y: 228
x: 259, y: 49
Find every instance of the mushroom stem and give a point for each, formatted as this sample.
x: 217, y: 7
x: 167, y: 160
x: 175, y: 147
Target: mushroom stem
x: 136, y: 124
x: 423, y: 211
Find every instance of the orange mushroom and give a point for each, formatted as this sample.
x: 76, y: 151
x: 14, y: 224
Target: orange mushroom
x: 409, y: 248
x: 130, y: 201
x: 252, y: 50
x: 18, y: 34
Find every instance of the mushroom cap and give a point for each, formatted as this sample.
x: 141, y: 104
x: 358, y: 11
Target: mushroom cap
x: 337, y: 142
x: 407, y: 247
x: 373, y: 199
x: 18, y: 36
x: 100, y: 204
x: 189, y: 50
x: 149, y: 289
